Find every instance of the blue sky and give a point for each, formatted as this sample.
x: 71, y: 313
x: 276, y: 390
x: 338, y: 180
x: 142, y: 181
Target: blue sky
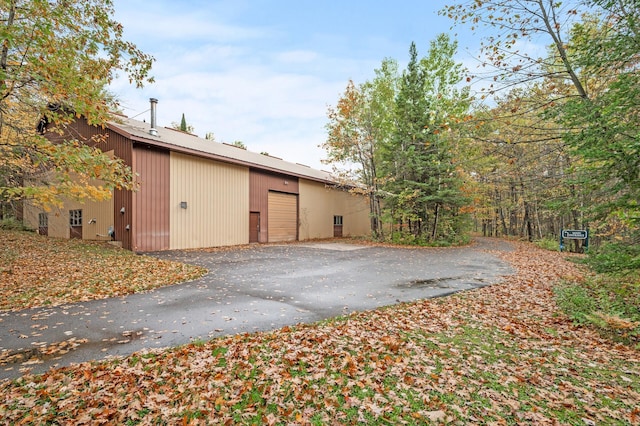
x: 264, y: 72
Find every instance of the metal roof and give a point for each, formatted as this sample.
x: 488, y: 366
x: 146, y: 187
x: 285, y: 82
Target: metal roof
x: 178, y: 141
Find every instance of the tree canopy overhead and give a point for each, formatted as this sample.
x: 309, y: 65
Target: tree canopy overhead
x: 557, y: 145
x: 57, y: 58
x: 582, y: 94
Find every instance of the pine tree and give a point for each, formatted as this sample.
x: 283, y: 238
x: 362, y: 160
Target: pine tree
x: 406, y: 156
x: 425, y: 184
x: 183, y: 124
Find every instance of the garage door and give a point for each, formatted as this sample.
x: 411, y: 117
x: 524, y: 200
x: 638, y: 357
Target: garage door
x: 283, y: 217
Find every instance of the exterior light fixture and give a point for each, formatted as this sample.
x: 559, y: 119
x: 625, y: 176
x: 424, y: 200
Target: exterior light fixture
x: 122, y: 210
x: 183, y: 204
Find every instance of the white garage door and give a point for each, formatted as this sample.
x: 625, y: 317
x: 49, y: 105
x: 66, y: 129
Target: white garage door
x: 283, y: 217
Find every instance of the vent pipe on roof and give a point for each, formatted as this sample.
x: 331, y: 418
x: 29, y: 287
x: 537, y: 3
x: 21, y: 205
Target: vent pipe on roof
x: 153, y: 131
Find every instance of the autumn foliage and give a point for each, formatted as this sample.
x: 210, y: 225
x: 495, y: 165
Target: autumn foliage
x: 56, y: 61
x: 41, y: 271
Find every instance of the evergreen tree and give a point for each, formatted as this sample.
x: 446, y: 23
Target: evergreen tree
x: 425, y: 183
x: 448, y: 106
x: 405, y: 156
x: 183, y: 124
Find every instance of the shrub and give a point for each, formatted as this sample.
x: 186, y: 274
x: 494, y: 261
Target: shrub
x: 615, y: 257
x: 12, y: 224
x: 611, y: 303
x: 575, y: 301
x: 548, y: 243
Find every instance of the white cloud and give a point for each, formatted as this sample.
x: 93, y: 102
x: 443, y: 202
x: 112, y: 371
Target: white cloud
x: 281, y: 113
x: 255, y: 71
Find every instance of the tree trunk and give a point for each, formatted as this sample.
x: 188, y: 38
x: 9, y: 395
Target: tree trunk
x: 526, y: 222
x: 503, y: 222
x: 537, y: 213
x: 552, y: 28
x: 513, y: 213
x: 435, y: 222
x: 374, y: 211
x: 378, y: 217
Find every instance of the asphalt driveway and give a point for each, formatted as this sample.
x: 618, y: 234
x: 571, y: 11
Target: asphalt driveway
x: 259, y: 288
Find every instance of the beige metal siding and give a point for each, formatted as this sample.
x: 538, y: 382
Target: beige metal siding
x: 319, y: 204
x: 283, y: 217
x: 354, y: 208
x: 97, y: 216
x: 316, y: 211
x: 58, y: 220
x: 217, y: 203
x: 120, y: 146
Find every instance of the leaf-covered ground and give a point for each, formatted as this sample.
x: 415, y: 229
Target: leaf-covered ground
x: 499, y: 355
x: 40, y: 271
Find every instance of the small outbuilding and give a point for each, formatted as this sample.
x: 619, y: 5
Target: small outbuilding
x: 197, y: 193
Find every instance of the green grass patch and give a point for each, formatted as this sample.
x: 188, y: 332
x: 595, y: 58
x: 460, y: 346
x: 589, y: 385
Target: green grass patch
x: 548, y: 244
x: 609, y: 302
x: 616, y: 258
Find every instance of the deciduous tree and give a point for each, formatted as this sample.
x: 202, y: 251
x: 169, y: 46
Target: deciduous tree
x: 604, y: 126
x: 56, y: 59
x: 358, y: 127
x: 590, y: 82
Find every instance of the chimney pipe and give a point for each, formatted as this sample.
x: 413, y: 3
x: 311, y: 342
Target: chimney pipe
x: 153, y: 131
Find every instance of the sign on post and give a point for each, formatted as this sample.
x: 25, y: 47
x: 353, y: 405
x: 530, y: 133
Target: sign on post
x: 574, y: 234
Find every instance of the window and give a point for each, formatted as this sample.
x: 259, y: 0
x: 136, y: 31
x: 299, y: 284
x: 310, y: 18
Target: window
x: 337, y: 220
x: 43, y: 224
x: 75, y: 217
x: 43, y: 220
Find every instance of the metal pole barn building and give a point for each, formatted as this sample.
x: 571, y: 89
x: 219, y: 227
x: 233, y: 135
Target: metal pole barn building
x: 197, y: 193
